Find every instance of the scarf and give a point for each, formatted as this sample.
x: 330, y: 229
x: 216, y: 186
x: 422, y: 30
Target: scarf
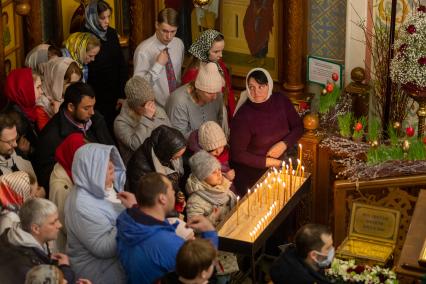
x: 159, y: 168
x: 201, y: 47
x: 19, y: 89
x: 216, y: 195
x: 76, y: 45
x: 53, y: 73
x: 37, y: 55
x: 92, y: 24
x: 15, y: 189
x: 65, y: 152
x: 246, y: 93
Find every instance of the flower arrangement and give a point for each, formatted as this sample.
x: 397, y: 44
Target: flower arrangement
x: 346, y: 271
x: 409, y: 62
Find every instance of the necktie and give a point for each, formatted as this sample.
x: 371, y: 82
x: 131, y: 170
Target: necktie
x: 171, y: 78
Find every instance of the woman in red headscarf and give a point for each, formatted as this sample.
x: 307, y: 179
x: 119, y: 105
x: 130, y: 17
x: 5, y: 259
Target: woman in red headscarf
x: 61, y: 180
x: 23, y: 91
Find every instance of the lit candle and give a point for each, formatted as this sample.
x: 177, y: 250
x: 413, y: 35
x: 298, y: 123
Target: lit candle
x: 267, y: 194
x: 282, y: 167
x: 300, y: 153
x: 303, y: 173
x: 274, y: 182
x: 298, y: 167
x: 291, y: 180
x: 292, y: 188
x: 238, y: 199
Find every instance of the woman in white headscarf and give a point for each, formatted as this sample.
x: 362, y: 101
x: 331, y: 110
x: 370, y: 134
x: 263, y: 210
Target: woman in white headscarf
x: 264, y: 126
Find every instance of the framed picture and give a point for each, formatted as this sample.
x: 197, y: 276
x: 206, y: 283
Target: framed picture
x: 9, y: 28
x: 251, y: 30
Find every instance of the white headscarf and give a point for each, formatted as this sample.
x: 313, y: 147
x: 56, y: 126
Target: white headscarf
x: 246, y: 94
x: 37, y: 55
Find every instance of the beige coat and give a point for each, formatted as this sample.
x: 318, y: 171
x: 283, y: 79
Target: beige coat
x: 60, y: 186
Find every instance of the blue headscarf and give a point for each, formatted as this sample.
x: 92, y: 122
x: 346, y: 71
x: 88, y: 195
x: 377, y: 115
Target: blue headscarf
x: 92, y: 23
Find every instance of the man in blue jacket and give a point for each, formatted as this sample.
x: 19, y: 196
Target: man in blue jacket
x: 147, y: 242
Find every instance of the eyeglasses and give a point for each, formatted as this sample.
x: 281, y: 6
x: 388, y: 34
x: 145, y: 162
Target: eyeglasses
x: 11, y: 142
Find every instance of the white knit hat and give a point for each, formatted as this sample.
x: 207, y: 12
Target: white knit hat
x: 209, y: 79
x: 211, y: 136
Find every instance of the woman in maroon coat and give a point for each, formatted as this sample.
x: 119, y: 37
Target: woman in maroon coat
x: 264, y: 127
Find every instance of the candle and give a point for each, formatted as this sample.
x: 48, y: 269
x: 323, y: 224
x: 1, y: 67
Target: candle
x: 248, y: 202
x: 303, y: 173
x: 300, y: 153
x: 291, y: 181
x: 298, y: 167
x: 279, y: 191
x: 282, y: 167
x: 292, y: 188
x: 238, y: 199
x: 267, y: 194
x: 284, y: 199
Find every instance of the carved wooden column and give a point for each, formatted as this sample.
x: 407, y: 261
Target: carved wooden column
x: 310, y: 143
x: 33, y: 28
x: 294, y: 49
x: 142, y: 20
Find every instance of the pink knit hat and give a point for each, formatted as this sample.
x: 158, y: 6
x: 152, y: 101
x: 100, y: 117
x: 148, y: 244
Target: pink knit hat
x: 209, y: 79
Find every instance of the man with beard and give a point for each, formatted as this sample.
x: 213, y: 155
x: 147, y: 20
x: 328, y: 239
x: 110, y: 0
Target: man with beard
x: 9, y: 160
x: 77, y: 114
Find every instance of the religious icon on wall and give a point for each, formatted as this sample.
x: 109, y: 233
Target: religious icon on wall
x: 6, y: 31
x: 250, y: 29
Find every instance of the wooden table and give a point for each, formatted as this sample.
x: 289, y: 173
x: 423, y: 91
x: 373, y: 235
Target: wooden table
x: 414, y: 242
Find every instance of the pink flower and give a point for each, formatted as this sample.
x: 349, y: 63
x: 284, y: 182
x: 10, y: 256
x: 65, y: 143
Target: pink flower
x: 411, y: 29
x: 421, y: 8
x: 422, y: 61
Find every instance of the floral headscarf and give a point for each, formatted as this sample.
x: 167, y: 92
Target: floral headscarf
x: 76, y: 44
x: 92, y: 24
x: 15, y: 189
x: 201, y: 47
x: 20, y: 90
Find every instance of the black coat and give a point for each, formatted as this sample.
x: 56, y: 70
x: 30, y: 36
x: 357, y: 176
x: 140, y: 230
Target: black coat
x: 108, y: 75
x: 55, y: 131
x: 166, y: 142
x: 16, y: 261
x: 290, y: 268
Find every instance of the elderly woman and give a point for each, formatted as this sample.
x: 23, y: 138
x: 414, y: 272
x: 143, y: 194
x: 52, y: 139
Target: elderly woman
x: 208, y: 48
x: 197, y: 102
x: 265, y: 125
x: 83, y: 48
x: 92, y: 208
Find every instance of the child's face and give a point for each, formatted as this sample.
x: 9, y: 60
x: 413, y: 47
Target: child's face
x: 216, y: 152
x: 215, y: 178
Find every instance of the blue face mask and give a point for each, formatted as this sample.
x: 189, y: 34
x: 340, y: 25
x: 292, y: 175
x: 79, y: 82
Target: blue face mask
x: 326, y: 262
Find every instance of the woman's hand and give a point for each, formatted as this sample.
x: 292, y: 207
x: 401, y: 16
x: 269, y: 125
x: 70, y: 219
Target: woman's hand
x: 55, y: 106
x: 271, y: 162
x: 149, y: 109
x: 128, y: 199
x: 277, y: 150
x: 230, y: 175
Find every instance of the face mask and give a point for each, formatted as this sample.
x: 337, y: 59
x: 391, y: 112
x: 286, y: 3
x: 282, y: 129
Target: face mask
x: 326, y: 262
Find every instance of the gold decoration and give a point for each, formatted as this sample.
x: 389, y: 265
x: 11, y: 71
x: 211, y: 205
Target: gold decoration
x: 324, y: 91
x: 396, y: 125
x: 405, y: 145
x: 374, y: 143
x: 23, y: 9
x: 201, y: 3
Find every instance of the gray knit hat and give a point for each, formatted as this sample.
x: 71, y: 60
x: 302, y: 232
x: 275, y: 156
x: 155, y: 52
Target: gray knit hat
x: 138, y: 91
x: 211, y: 136
x: 203, y: 164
